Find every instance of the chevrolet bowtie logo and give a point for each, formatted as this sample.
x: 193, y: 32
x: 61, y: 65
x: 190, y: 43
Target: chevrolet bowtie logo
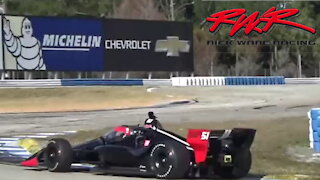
x: 172, y: 45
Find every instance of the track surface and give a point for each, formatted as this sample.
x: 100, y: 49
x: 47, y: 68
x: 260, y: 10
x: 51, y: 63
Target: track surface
x: 9, y: 172
x: 215, y: 104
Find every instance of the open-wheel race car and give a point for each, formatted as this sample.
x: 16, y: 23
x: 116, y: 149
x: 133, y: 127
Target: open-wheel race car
x: 134, y: 150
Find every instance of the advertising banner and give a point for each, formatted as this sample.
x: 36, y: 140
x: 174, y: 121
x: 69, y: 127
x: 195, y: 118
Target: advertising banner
x: 133, y: 45
x: 92, y: 44
x: 52, y: 43
x: 258, y: 39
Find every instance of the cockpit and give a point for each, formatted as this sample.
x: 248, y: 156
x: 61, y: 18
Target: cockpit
x: 118, y: 133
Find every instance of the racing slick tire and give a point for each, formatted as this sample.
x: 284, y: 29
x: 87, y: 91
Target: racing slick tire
x: 240, y: 168
x: 170, y: 160
x: 58, y: 155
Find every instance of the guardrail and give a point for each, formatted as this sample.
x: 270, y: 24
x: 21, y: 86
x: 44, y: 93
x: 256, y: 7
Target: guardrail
x: 175, y: 81
x: 157, y: 82
x: 31, y: 83
x: 85, y: 82
x: 222, y: 81
x: 302, y: 80
x: 101, y: 82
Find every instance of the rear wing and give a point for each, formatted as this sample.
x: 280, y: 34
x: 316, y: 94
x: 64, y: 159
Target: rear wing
x: 201, y: 139
x: 242, y: 137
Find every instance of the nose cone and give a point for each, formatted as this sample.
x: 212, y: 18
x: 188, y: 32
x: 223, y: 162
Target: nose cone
x: 30, y: 163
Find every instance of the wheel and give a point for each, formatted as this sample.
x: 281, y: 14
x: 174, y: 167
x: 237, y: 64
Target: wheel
x: 170, y: 160
x: 240, y: 168
x: 58, y: 155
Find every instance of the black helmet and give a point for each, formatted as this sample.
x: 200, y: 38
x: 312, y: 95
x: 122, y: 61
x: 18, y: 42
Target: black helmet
x: 151, y: 115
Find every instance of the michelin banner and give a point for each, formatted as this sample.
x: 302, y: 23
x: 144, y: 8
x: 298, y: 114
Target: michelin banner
x: 89, y: 44
x: 54, y: 44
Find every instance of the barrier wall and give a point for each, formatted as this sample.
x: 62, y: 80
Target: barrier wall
x: 175, y: 81
x: 31, y: 83
x: 70, y: 82
x: 157, y: 82
x: 314, y: 129
x: 302, y: 80
x: 85, y: 82
x: 198, y: 81
x: 101, y: 82
x: 222, y: 81
x: 271, y: 80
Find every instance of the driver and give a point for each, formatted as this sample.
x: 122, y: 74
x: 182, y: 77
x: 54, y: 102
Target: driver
x: 151, y: 121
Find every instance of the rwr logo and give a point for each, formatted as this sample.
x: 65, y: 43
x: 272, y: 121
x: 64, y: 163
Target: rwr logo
x: 250, y: 23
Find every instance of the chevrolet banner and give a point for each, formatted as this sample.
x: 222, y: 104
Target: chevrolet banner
x: 148, y: 45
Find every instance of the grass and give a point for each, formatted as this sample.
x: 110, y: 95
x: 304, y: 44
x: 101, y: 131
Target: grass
x: 78, y: 99
x: 270, y: 145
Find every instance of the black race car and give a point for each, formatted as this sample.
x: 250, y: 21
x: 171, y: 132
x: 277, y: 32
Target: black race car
x: 155, y: 152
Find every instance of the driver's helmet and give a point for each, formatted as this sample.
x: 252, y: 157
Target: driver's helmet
x: 123, y: 130
x: 118, y: 133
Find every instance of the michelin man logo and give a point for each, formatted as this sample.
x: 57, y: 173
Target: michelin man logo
x: 25, y: 48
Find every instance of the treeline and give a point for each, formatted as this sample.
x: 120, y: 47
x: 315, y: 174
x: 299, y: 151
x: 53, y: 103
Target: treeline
x: 272, y: 59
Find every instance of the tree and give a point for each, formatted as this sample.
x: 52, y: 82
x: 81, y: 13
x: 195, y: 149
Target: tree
x: 205, y: 55
x: 96, y: 8
x: 175, y: 10
x: 139, y: 9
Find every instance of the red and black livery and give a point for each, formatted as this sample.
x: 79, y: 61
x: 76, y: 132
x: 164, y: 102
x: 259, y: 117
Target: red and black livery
x: 154, y: 152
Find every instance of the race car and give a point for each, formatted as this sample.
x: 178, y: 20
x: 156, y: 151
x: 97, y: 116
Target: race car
x: 154, y: 152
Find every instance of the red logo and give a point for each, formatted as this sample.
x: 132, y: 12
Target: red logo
x: 250, y: 23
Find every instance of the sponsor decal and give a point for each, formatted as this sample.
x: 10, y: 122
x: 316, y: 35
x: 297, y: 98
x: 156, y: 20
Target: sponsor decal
x: 146, y: 143
x: 168, y: 46
x: 250, y: 23
x: 25, y: 48
x: 73, y: 42
x: 39, y: 43
x: 127, y: 44
x: 259, y: 23
x: 261, y: 43
x: 172, y: 46
x: 205, y: 135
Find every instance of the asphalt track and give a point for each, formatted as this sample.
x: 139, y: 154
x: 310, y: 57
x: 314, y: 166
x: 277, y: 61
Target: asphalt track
x: 214, y: 105
x: 9, y: 172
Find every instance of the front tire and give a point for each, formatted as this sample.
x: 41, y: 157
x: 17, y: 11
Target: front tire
x: 170, y: 160
x: 58, y: 155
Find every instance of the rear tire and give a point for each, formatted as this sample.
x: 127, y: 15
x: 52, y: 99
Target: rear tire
x: 170, y: 160
x: 58, y: 155
x: 241, y: 167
